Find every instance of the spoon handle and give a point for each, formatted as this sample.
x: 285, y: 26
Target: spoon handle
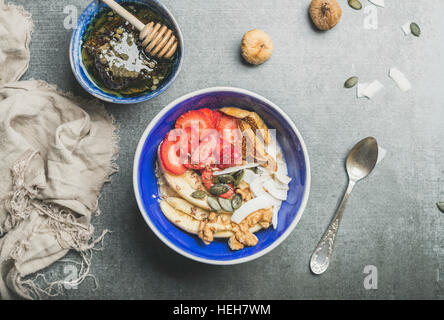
x: 322, y: 255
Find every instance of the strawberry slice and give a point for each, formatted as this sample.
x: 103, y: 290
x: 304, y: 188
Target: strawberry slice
x: 228, y: 128
x: 207, y: 178
x: 192, y: 137
x: 172, y: 153
x: 215, y: 115
x: 205, y: 155
x: 195, y: 119
x: 209, y: 113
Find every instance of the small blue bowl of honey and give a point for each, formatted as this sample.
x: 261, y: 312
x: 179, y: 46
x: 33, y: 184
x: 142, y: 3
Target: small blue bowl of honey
x: 108, y: 60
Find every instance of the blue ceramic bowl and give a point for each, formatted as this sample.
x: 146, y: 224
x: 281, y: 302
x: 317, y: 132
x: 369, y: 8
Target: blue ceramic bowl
x: 145, y: 184
x: 80, y: 71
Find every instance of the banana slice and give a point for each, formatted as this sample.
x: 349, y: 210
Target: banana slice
x: 179, y: 219
x: 252, y: 118
x: 190, y: 224
x: 184, y: 206
x: 185, y: 185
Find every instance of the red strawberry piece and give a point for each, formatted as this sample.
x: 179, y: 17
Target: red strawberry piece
x: 172, y: 153
x: 209, y: 114
x: 229, y: 193
x: 195, y: 119
x: 206, y: 154
x: 207, y: 178
x: 228, y: 128
x: 216, y: 117
x: 192, y: 136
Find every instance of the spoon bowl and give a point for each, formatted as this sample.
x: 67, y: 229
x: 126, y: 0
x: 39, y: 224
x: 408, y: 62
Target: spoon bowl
x: 362, y: 159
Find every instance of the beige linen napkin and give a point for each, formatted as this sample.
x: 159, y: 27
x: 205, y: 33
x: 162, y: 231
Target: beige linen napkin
x: 56, y: 152
x: 16, y: 27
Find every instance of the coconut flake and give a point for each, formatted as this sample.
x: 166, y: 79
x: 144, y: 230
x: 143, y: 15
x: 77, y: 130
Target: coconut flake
x: 248, y: 208
x: 406, y: 28
x: 400, y: 79
x: 281, y: 175
x: 360, y: 88
x: 379, y: 3
x: 237, y: 168
x: 249, y: 176
x: 257, y: 186
x: 276, y: 190
x: 274, y: 218
x: 372, y: 89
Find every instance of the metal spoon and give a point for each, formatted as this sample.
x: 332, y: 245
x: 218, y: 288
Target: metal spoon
x: 360, y: 162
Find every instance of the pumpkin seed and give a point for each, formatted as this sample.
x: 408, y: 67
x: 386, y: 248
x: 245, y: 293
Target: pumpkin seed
x: 255, y: 170
x: 351, y: 82
x: 440, y: 206
x: 225, y: 204
x: 214, y: 204
x: 226, y: 178
x: 238, y: 176
x: 236, y: 202
x: 199, y: 194
x: 414, y: 28
x: 219, y: 188
x: 355, y: 4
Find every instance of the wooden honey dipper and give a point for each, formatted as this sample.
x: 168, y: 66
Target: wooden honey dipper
x: 157, y: 39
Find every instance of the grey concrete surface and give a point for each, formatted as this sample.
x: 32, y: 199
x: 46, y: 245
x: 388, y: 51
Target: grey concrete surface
x: 391, y: 220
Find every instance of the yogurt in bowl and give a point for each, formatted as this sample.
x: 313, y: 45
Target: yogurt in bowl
x: 279, y: 185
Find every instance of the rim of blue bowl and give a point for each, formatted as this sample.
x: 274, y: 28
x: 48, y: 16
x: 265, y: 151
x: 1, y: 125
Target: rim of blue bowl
x: 170, y: 244
x: 117, y: 99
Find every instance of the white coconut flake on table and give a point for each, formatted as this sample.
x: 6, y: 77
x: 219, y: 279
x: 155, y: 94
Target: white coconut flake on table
x: 360, y: 88
x: 372, y: 89
x: 249, y: 207
x: 379, y: 3
x: 381, y: 154
x: 237, y: 168
x: 400, y: 79
x: 406, y: 28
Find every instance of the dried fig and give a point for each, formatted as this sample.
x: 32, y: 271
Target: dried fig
x: 256, y: 47
x: 325, y: 13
